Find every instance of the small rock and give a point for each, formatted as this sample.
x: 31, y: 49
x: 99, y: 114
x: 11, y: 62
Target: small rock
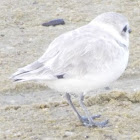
x: 35, y: 2
x: 86, y: 137
x: 68, y: 133
x: 54, y: 22
x: 107, y: 88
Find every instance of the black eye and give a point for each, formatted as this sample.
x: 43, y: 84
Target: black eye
x: 125, y: 29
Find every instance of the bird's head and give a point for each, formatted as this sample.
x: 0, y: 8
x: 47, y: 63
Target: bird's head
x: 117, y: 21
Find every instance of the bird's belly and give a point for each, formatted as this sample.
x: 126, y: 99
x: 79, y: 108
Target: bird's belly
x: 90, y: 81
x: 84, y: 84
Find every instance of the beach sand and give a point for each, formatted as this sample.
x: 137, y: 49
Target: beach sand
x: 31, y: 111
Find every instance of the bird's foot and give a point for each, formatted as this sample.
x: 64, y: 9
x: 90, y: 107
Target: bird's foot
x: 85, y: 119
x: 91, y: 123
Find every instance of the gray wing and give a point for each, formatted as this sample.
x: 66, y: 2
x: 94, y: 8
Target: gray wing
x: 75, y: 53
x: 79, y: 53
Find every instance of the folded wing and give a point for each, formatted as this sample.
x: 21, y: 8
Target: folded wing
x: 72, y: 54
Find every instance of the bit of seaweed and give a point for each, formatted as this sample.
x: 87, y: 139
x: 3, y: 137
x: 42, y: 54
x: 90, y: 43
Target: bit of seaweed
x: 54, y: 22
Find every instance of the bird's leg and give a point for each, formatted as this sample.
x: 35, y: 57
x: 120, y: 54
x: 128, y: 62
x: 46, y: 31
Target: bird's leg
x: 73, y: 107
x: 88, y: 120
x: 89, y: 117
x: 83, y: 119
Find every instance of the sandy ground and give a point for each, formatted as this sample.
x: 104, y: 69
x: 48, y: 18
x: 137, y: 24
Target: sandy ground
x: 31, y: 111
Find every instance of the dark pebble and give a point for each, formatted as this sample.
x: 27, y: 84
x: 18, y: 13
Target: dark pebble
x: 86, y: 137
x: 54, y: 22
x: 22, y: 28
x: 107, y: 88
x: 2, y: 35
x: 35, y: 2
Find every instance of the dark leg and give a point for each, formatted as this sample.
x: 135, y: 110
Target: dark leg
x: 89, y: 119
x: 73, y: 107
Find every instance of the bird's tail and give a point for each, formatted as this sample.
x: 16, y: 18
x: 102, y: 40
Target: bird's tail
x: 33, y: 71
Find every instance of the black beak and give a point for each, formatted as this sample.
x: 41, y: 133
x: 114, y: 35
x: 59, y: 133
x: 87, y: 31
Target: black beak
x: 130, y: 31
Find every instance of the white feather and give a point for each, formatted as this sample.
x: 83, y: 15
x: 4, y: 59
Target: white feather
x: 89, y: 57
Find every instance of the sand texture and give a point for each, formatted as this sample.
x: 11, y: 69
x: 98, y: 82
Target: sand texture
x: 31, y: 111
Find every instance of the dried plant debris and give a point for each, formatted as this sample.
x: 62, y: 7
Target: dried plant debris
x: 54, y: 22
